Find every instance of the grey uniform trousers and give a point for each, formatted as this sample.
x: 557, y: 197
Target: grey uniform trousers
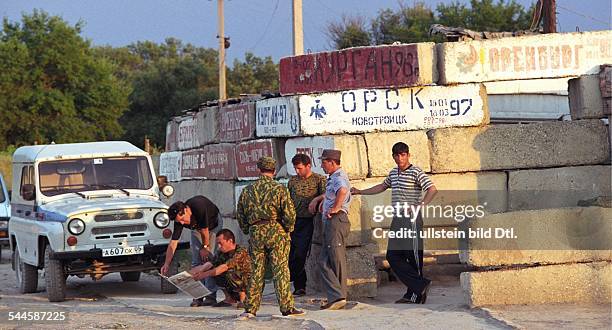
x: 333, y: 256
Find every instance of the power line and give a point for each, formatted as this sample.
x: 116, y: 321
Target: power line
x: 267, y: 26
x: 584, y: 15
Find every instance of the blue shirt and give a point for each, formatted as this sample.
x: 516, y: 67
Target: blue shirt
x: 336, y: 181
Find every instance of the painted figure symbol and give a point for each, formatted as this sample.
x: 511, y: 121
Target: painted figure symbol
x: 318, y: 111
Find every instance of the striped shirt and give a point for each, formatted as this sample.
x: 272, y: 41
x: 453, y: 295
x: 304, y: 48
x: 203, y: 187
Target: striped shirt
x: 407, y: 185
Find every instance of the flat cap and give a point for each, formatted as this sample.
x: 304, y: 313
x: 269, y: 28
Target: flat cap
x: 332, y: 154
x: 266, y: 163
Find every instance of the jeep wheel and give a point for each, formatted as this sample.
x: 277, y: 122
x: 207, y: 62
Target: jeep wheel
x: 27, y: 275
x: 130, y: 276
x: 55, y: 277
x: 167, y: 287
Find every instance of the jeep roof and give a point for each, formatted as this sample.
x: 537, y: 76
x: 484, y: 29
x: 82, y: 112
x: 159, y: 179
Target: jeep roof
x: 30, y: 154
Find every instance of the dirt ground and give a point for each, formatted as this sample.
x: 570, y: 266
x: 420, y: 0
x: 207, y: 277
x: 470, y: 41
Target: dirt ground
x: 112, y: 304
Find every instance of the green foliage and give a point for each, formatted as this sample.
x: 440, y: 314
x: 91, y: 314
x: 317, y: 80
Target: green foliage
x: 254, y: 76
x: 411, y: 24
x: 52, y: 87
x: 351, y: 31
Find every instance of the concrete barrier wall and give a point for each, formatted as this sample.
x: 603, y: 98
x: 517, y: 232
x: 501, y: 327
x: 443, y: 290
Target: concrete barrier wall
x: 585, y: 99
x: 539, y: 56
x: 577, y: 283
x: 219, y: 192
x: 249, y: 152
x: 379, y: 150
x: 557, y: 187
x: 535, y: 145
x: 278, y: 116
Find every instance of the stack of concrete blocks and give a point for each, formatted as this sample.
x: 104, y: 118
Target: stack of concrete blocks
x: 562, y: 254
x: 213, y: 152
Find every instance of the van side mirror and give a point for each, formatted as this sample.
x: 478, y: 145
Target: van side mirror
x: 28, y: 192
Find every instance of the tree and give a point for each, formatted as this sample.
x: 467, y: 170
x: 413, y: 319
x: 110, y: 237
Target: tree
x: 255, y: 75
x: 408, y: 25
x: 484, y: 15
x: 52, y: 87
x: 351, y: 31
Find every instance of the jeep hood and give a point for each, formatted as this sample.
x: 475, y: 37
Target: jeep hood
x: 57, y: 210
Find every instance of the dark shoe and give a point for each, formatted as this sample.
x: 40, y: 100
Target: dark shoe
x: 424, y: 293
x: 293, y: 312
x: 409, y: 299
x: 222, y: 304
x: 208, y: 301
x: 299, y: 292
x: 335, y: 305
x: 197, y: 302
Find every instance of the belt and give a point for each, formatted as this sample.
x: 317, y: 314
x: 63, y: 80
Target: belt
x: 261, y: 222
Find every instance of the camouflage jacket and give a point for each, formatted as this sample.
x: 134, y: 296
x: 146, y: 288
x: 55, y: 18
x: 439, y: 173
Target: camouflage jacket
x: 303, y: 191
x: 265, y: 199
x: 238, y: 264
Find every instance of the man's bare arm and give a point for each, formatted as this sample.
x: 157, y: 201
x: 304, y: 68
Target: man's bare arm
x: 377, y: 189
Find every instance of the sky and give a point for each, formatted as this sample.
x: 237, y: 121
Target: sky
x: 262, y: 27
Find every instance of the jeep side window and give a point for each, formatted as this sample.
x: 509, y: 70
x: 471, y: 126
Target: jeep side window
x: 27, y: 188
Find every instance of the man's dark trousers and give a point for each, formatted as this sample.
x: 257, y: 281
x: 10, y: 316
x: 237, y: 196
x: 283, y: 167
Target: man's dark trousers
x: 405, y: 255
x: 301, y: 237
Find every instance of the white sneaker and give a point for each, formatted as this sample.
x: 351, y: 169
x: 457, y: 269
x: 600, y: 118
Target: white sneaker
x: 245, y: 316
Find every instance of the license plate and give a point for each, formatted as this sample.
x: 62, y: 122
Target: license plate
x: 122, y: 251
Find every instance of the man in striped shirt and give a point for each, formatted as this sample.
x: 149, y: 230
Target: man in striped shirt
x: 405, y: 255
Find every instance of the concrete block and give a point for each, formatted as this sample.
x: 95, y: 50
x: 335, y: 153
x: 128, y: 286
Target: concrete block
x: 557, y: 187
x: 554, y: 86
x: 172, y: 135
x: 525, y: 107
x: 575, y: 283
x: 379, y: 150
x: 585, y: 99
x: 369, y: 110
x: 236, y: 122
x: 213, y: 161
x: 528, y: 57
x: 170, y: 165
x: 249, y: 152
x: 219, y: 192
x: 207, y: 125
x: 605, y: 80
x: 534, y: 145
x: 188, y: 133
x: 354, y: 156
x: 552, y: 236
x: 278, y: 116
x: 360, y: 67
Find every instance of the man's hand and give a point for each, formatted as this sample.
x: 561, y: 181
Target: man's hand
x: 312, y: 206
x: 205, y: 254
x: 164, y: 269
x: 196, y: 275
x: 333, y: 211
x: 355, y: 191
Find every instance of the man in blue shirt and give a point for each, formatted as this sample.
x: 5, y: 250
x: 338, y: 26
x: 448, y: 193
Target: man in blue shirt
x: 336, y: 228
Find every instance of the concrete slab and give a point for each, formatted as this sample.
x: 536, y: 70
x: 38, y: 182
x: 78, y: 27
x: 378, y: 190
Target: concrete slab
x: 187, y: 133
x: 170, y: 165
x: 359, y: 67
x: 369, y: 110
x: 516, y: 146
x: 553, y: 236
x: 236, y: 122
x: 207, y: 125
x: 172, y: 135
x: 585, y: 99
x: 526, y: 107
x: 249, y: 152
x: 354, y: 155
x: 557, y: 187
x: 213, y: 161
x: 552, y: 86
x: 528, y: 57
x: 219, y: 192
x: 278, y: 116
x: 570, y: 283
x: 379, y: 150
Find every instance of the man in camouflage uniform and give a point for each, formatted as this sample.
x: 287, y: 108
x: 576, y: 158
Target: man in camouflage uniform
x: 266, y: 213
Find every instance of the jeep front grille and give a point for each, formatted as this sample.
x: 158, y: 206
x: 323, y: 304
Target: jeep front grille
x: 118, y: 229
x: 119, y: 216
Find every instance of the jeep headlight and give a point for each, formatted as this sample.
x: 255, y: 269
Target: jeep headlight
x: 161, y: 220
x: 76, y: 226
x: 3, y: 224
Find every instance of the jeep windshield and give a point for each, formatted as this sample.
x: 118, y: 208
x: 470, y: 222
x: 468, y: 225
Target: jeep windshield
x: 87, y: 174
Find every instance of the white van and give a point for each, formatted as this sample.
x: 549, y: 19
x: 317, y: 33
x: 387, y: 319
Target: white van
x: 86, y: 209
x: 5, y: 213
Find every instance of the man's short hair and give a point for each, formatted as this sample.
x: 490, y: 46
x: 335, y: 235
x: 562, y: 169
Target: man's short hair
x: 300, y: 159
x: 400, y: 147
x: 176, y: 209
x: 227, y: 235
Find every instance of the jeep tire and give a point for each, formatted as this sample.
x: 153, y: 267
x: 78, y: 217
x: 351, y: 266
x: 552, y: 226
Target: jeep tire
x: 55, y: 277
x: 130, y: 276
x: 27, y: 275
x: 167, y: 287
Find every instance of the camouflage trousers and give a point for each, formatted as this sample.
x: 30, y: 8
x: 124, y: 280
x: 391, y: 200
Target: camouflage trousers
x: 269, y: 242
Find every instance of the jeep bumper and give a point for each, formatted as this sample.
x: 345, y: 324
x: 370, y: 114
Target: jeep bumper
x: 96, y: 253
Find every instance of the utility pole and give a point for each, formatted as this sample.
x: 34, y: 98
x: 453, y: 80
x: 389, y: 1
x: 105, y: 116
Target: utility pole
x: 549, y: 11
x: 298, y: 32
x: 221, y: 36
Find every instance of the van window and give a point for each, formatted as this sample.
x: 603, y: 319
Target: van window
x: 102, y: 173
x: 2, y: 196
x: 27, y: 177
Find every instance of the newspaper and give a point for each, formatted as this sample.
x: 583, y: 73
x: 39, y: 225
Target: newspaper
x: 185, y: 282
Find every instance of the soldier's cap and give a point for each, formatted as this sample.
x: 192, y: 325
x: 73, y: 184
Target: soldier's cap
x: 266, y: 163
x: 331, y: 154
